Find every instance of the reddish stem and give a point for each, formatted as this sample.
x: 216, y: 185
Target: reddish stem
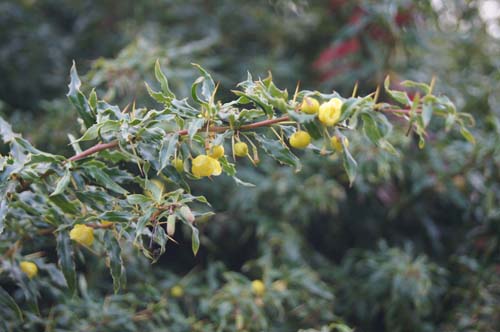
x: 103, y: 146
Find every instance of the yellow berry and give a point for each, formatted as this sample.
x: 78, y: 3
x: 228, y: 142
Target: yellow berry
x: 29, y: 268
x: 204, y: 165
x: 337, y: 144
x: 217, y: 151
x: 177, y: 291
x: 309, y: 105
x: 82, y: 234
x: 178, y: 163
x: 258, y: 287
x: 241, y: 149
x: 300, y: 139
x: 329, y: 112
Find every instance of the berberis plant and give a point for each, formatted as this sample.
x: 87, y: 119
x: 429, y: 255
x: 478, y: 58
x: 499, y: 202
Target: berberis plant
x: 133, y: 184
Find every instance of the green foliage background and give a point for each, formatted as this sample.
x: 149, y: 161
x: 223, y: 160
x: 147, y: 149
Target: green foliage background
x: 413, y: 245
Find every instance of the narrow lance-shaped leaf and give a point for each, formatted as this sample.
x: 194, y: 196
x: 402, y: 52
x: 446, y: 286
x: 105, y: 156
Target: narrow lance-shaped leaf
x: 77, y: 98
x: 3, y: 213
x: 194, y: 126
x: 400, y: 97
x: 208, y: 84
x: 195, y: 240
x: 104, y: 179
x: 160, y: 77
x: 7, y: 301
x: 350, y: 165
x: 63, y: 182
x: 116, y: 267
x: 279, y: 152
x: 65, y: 254
x: 167, y: 150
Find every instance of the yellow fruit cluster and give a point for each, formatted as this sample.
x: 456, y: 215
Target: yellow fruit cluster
x: 204, y: 165
x: 82, y: 234
x: 29, y: 268
x: 328, y: 113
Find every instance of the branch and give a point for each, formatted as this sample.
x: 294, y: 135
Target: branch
x: 215, y: 129
x: 104, y: 146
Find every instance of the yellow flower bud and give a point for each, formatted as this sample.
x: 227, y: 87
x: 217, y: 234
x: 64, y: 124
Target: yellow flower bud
x: 204, y: 165
x: 216, y: 166
x: 217, y: 151
x: 241, y: 149
x: 300, y: 139
x: 337, y: 144
x: 329, y: 112
x: 258, y: 287
x: 178, y: 163
x: 309, y: 105
x: 177, y: 291
x: 29, y: 268
x: 82, y: 234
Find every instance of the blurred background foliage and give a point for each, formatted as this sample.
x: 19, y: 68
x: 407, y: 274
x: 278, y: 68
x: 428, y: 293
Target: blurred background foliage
x: 413, y: 245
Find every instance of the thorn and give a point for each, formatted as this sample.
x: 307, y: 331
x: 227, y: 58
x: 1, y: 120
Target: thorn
x: 433, y: 82
x: 296, y: 91
x: 377, y: 92
x: 355, y: 89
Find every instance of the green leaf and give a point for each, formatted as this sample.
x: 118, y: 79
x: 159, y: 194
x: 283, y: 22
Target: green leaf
x: 62, y: 184
x: 370, y: 128
x: 160, y: 77
x: 93, y: 100
x: 350, y: 165
x: 425, y: 88
x: 467, y: 135
x: 138, y: 199
x: 104, y: 179
x: 427, y: 111
x: 115, y: 216
x: 6, y: 131
x: 167, y: 150
x: 194, y: 126
x: 98, y: 129
x: 65, y: 261
x: 242, y: 183
x: 158, y: 96
x: 3, y: 213
x: 143, y: 221
x: 301, y: 117
x: 279, y: 152
x: 64, y: 204
x: 7, y: 301
x: 195, y: 240
x: 399, y: 96
x: 155, y: 189
x: 77, y: 98
x: 116, y: 267
x: 208, y: 84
